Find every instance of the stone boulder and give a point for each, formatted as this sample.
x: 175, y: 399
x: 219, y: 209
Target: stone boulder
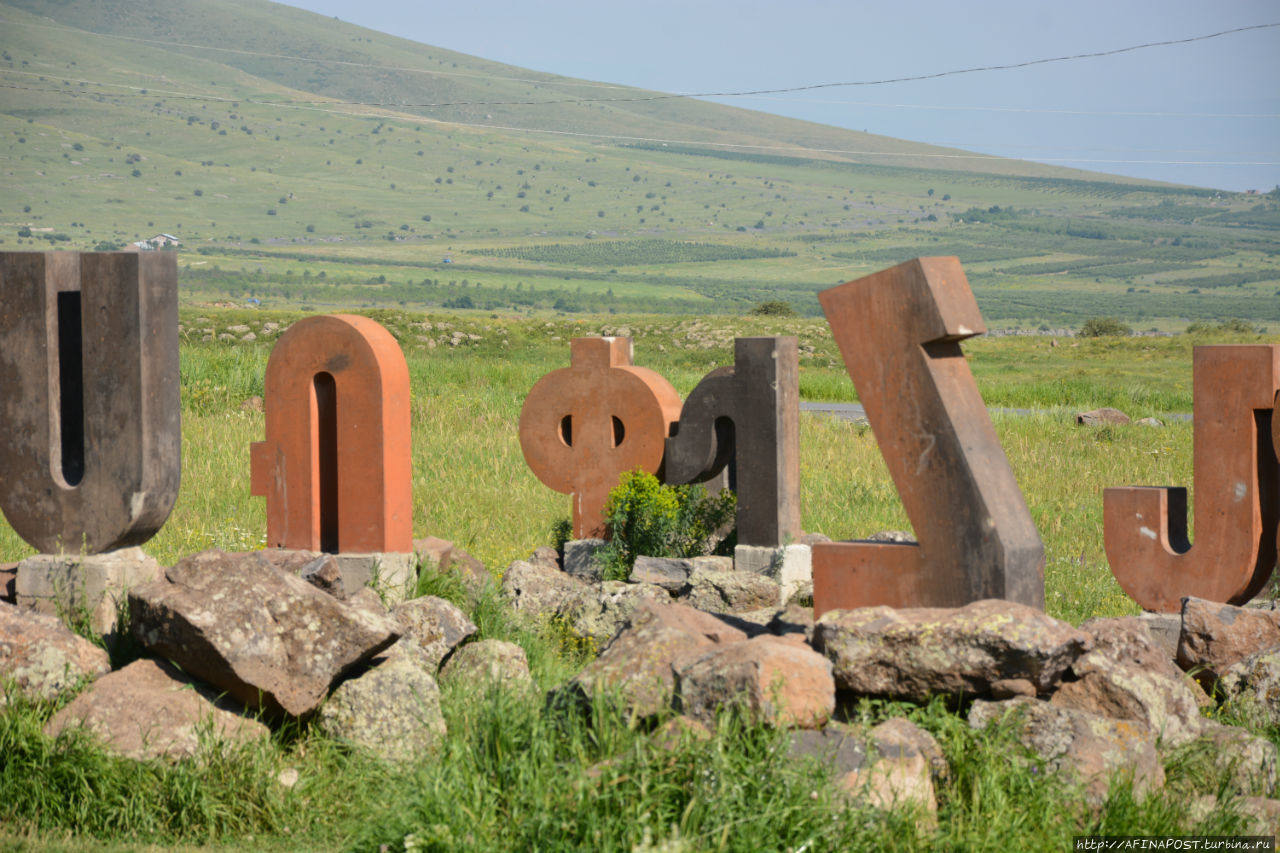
x: 718, y: 591
x: 1247, y: 762
x: 536, y: 590
x: 1252, y: 687
x: 893, y: 765
x: 766, y: 678
x: 598, y: 612
x: 1089, y: 749
x: 1217, y: 636
x: 391, y: 710
x: 1102, y: 417
x: 40, y: 657
x: 1128, y: 677
x: 581, y: 560
x: 489, y: 661
x: 150, y: 709
x: 670, y: 573
x: 265, y: 636
x: 914, y: 653
x: 434, y: 626
x: 638, y: 666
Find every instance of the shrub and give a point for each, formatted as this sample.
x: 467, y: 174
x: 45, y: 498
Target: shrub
x: 774, y: 308
x: 645, y: 517
x: 1102, y: 327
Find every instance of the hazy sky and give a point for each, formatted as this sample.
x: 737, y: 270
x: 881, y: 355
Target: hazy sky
x: 1205, y: 113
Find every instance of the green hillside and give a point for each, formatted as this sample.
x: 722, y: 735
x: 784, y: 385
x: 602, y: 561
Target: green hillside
x: 247, y: 129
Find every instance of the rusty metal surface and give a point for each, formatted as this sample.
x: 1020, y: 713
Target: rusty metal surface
x: 582, y: 426
x: 1237, y: 493
x: 899, y: 331
x: 95, y: 465
x: 748, y: 414
x: 336, y: 472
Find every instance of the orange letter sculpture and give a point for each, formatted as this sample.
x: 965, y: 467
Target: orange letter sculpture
x: 1237, y: 497
x: 335, y: 466
x: 582, y: 426
x: 899, y: 331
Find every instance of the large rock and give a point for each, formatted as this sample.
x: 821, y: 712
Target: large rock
x: 40, y: 656
x: 265, y: 636
x: 150, y: 709
x: 1252, y: 687
x: 1102, y: 417
x: 489, y: 661
x: 670, y: 573
x: 893, y: 765
x: 1087, y: 748
x: 537, y: 590
x: 638, y: 666
x: 392, y: 709
x: 435, y: 626
x: 1217, y: 636
x: 1247, y: 762
x: 1128, y: 677
x: 766, y: 678
x: 581, y: 559
x: 918, y: 652
x: 598, y: 612
x: 731, y: 592
x: 445, y: 556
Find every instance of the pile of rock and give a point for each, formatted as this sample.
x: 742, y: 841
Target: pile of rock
x: 247, y: 640
x: 1106, y: 700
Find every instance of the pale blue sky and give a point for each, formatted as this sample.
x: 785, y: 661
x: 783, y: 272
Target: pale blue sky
x: 1216, y: 102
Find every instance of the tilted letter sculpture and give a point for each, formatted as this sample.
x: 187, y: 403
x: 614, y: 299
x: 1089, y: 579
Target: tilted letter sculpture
x: 335, y: 465
x: 582, y: 426
x: 899, y: 331
x: 1237, y: 499
x: 750, y: 411
x: 90, y: 439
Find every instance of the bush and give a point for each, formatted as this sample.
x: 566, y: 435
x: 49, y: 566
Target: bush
x: 1102, y: 327
x: 645, y: 517
x: 774, y: 308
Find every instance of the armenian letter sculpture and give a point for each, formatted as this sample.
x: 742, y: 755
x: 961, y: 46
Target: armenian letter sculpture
x: 335, y: 464
x: 90, y: 441
x: 1237, y: 500
x: 749, y: 413
x: 582, y: 426
x: 899, y: 331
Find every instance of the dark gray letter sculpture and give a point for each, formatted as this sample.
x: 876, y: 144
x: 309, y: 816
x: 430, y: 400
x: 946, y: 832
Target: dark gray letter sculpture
x: 750, y: 412
x: 90, y: 444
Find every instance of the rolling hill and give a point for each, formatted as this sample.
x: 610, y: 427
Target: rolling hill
x: 286, y: 149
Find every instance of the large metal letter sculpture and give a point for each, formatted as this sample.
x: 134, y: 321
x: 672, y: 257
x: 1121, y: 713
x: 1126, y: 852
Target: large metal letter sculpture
x: 750, y: 411
x: 899, y: 331
x: 582, y: 426
x: 1237, y: 498
x: 90, y: 441
x: 335, y: 466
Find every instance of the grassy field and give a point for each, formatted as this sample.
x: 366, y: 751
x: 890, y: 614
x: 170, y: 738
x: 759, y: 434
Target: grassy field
x: 514, y: 775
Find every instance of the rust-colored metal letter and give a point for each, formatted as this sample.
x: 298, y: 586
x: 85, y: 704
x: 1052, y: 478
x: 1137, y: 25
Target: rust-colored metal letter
x: 1237, y: 499
x: 749, y: 413
x: 335, y: 466
x: 90, y: 439
x: 582, y: 426
x: 899, y: 331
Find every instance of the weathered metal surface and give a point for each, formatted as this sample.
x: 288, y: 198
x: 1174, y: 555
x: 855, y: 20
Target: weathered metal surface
x: 335, y: 464
x: 90, y: 439
x: 1237, y: 494
x: 582, y: 426
x: 899, y: 331
x: 747, y: 416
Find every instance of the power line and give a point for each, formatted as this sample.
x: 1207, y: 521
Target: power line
x: 673, y: 95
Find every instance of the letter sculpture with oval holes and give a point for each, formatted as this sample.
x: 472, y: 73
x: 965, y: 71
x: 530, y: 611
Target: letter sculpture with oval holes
x: 1237, y: 499
x: 899, y: 331
x: 90, y: 440
x: 335, y: 465
x: 582, y: 426
x: 748, y: 414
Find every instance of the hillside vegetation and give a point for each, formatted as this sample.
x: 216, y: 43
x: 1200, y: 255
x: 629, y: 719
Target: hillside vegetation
x: 262, y: 137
